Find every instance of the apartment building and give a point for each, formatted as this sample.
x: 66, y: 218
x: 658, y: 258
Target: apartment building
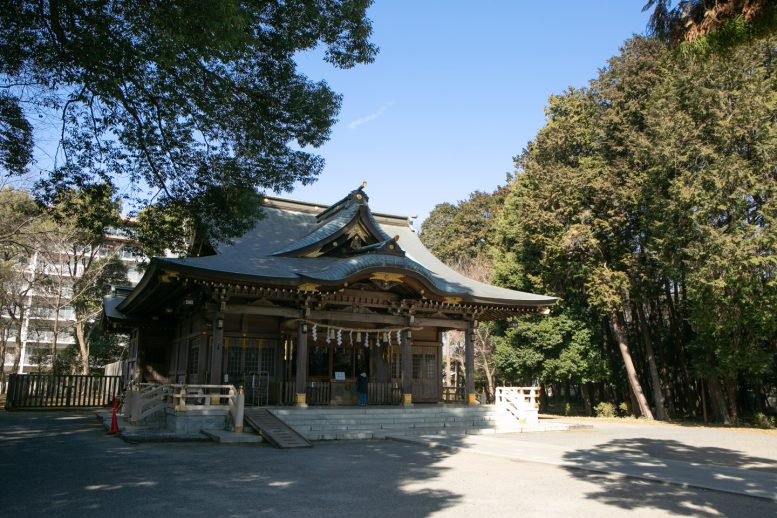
x: 47, y: 316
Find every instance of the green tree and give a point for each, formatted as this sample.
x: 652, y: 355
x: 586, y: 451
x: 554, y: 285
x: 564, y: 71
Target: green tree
x: 182, y: 99
x: 647, y: 201
x: 461, y: 232
x: 460, y: 236
x: 716, y: 156
x: 85, y: 215
x: 551, y: 349
x: 20, y: 270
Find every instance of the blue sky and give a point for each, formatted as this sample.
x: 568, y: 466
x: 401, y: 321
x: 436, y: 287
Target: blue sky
x: 457, y: 90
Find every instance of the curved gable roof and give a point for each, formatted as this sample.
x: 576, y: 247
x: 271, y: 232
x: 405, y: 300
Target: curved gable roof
x: 283, y: 249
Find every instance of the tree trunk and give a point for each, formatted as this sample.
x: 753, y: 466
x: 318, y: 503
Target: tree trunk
x: 731, y: 389
x: 658, y: 395
x: 489, y: 383
x: 3, y: 345
x: 718, y: 401
x: 55, y: 331
x: 585, y: 390
x: 17, y: 354
x: 83, y: 347
x: 631, y: 372
x: 677, y: 340
x: 655, y: 322
x: 544, y: 398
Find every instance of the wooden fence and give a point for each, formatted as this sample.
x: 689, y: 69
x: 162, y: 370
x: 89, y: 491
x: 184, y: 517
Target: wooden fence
x: 26, y: 391
x: 319, y: 393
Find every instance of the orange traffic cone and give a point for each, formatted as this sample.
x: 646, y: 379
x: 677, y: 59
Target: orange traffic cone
x: 114, y: 421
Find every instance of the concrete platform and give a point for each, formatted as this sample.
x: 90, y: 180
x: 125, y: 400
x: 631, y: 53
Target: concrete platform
x: 636, y: 465
x: 227, y: 437
x: 140, y: 433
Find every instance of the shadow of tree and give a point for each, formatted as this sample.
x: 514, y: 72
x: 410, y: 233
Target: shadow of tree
x: 677, y: 475
x: 72, y: 468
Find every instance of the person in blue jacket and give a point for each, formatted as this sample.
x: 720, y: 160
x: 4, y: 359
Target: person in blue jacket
x: 361, y: 387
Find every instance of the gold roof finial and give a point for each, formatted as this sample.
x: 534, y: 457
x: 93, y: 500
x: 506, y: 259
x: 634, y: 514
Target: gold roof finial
x: 364, y: 184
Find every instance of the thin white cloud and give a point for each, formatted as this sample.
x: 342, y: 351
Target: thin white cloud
x: 367, y: 118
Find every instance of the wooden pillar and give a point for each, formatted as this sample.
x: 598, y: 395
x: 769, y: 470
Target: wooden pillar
x: 301, y: 381
x: 469, y: 366
x: 407, y: 369
x: 217, y: 349
x: 172, y: 369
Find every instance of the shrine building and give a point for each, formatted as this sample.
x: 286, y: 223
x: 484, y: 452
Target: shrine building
x: 298, y: 307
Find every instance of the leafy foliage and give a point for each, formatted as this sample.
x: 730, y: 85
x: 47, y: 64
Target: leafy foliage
x: 180, y: 98
x: 648, y: 202
x: 60, y: 254
x: 552, y: 349
x: 460, y: 232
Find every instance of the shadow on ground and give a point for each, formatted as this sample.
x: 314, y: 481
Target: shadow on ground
x: 651, y: 458
x: 65, y: 465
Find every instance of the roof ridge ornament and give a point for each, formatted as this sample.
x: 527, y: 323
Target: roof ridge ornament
x: 358, y: 195
x: 388, y: 246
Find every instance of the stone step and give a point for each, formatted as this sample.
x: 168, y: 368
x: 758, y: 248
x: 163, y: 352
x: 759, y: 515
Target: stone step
x: 333, y: 423
x: 342, y: 412
x: 384, y: 419
x: 227, y: 437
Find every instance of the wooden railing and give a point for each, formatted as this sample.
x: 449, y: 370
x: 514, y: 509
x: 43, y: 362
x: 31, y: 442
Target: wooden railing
x: 453, y: 394
x: 384, y: 394
x: 318, y: 393
x: 522, y: 403
x: 145, y: 399
x: 60, y: 391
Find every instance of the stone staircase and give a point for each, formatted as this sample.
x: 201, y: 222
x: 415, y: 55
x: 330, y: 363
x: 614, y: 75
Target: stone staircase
x: 349, y: 423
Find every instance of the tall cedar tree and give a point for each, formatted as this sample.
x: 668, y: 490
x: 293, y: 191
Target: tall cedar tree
x: 648, y: 198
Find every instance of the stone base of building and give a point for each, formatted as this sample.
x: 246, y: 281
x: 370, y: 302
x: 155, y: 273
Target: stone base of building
x: 191, y: 422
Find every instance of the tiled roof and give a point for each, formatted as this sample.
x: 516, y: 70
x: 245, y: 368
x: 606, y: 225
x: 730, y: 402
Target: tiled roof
x: 262, y: 254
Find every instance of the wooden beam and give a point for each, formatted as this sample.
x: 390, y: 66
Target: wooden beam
x: 441, y: 322
x: 372, y: 318
x: 267, y: 311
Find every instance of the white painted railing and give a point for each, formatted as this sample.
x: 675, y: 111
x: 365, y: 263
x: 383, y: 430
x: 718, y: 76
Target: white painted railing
x: 522, y: 403
x: 237, y: 407
x: 144, y: 399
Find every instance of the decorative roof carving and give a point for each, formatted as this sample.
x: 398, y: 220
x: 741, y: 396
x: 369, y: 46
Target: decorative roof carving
x: 344, y: 229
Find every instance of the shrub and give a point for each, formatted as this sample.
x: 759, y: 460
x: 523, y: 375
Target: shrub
x: 762, y: 420
x: 605, y: 409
